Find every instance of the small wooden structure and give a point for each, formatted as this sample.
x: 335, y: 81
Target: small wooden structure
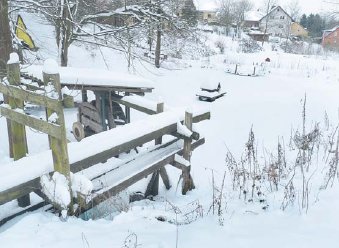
x: 102, y: 113
x: 247, y: 70
x: 210, y: 93
x: 89, y: 156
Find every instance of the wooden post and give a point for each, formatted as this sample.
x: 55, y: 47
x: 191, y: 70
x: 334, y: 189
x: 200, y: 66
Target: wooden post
x: 59, y: 145
x: 153, y: 185
x: 84, y: 96
x: 187, y: 183
x: 127, y: 111
x: 236, y: 69
x: 111, y: 123
x: 17, y: 130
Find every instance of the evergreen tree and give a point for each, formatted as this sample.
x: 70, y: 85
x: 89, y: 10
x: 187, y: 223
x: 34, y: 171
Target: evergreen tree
x: 303, y: 21
x: 189, y: 13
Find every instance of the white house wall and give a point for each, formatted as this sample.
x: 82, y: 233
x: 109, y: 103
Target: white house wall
x: 278, y: 24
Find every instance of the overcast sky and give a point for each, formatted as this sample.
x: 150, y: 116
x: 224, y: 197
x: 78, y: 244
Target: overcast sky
x: 307, y: 6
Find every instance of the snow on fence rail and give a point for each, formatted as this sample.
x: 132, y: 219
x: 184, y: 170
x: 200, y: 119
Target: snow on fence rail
x: 23, y: 175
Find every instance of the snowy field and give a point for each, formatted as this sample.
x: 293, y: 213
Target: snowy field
x: 270, y: 104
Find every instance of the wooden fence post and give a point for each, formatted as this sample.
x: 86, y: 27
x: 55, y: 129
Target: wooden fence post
x: 58, y: 145
x: 187, y: 183
x: 18, y: 131
x: 127, y: 111
x: 153, y: 185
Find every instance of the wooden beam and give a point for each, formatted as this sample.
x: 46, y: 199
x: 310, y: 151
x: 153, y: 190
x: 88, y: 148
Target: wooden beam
x: 27, y: 96
x: 187, y: 182
x: 18, y: 130
x: 119, y: 100
x: 136, y: 90
x: 23, y: 211
x: 114, y: 151
x: 34, y: 185
x: 201, y: 117
x: 153, y: 185
x: 59, y: 145
x: 91, y: 123
x: 40, y: 125
x: 98, y: 198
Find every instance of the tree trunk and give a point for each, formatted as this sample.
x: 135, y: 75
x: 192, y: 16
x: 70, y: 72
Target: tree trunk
x: 5, y: 50
x: 64, y: 33
x: 5, y: 38
x: 158, y: 49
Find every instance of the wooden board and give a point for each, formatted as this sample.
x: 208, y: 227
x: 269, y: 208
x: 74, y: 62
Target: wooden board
x: 118, y: 180
x: 210, y: 99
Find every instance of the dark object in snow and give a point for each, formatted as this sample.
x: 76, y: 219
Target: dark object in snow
x: 136, y: 196
x: 161, y: 218
x: 210, y: 93
x: 267, y: 60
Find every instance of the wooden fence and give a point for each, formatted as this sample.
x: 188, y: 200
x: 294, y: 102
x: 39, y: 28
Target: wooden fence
x: 124, y: 174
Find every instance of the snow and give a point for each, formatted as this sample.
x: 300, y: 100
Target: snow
x: 141, y: 101
x: 183, y: 130
x: 50, y: 67
x: 92, y: 77
x: 210, y: 85
x: 270, y: 104
x: 13, y: 59
x: 206, y: 5
x: 81, y: 184
x: 208, y: 94
x: 253, y: 15
x: 56, y: 188
x: 181, y: 160
x: 53, y: 118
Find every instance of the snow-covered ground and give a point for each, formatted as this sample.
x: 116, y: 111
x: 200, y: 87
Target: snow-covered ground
x: 270, y: 104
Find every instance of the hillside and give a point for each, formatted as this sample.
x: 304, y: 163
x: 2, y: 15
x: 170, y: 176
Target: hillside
x: 220, y: 212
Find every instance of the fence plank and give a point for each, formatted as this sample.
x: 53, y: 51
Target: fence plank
x: 59, y: 146
x: 29, y: 96
x: 187, y: 183
x: 37, y: 124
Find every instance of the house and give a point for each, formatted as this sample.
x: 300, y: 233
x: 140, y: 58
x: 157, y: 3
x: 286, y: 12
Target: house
x: 276, y: 23
x: 252, y: 20
x: 258, y: 35
x: 208, y: 16
x: 207, y: 11
x: 298, y: 31
x: 331, y: 38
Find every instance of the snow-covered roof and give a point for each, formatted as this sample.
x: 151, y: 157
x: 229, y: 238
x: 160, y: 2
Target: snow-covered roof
x: 328, y: 31
x: 207, y: 5
x: 273, y: 9
x: 93, y: 77
x: 253, y: 15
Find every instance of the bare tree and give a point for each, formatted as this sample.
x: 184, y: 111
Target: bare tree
x: 267, y: 5
x: 226, y: 14
x: 293, y: 9
x: 240, y: 8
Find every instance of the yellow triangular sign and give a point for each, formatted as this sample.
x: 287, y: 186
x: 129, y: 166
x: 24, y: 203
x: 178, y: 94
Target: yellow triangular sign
x: 21, y: 33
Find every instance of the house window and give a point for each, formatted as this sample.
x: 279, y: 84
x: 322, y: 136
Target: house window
x: 335, y: 33
x: 282, y: 17
x: 272, y: 17
x: 209, y: 15
x: 281, y: 26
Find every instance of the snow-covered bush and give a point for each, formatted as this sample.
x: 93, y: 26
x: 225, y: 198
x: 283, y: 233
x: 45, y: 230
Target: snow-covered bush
x: 248, y: 45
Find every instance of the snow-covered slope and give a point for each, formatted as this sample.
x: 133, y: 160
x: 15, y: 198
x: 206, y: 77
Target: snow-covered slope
x: 270, y: 104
